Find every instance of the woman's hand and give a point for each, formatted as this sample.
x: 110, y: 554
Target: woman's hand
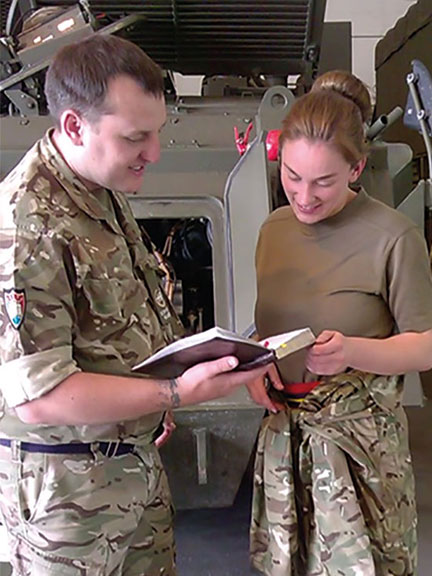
x: 259, y: 387
x: 329, y: 355
x: 168, y: 428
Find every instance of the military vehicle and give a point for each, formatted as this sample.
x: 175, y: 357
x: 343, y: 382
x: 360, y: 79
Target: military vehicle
x: 398, y: 73
x: 409, y: 40
x: 203, y: 203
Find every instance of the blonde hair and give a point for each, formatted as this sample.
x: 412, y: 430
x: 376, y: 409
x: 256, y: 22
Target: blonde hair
x: 334, y: 111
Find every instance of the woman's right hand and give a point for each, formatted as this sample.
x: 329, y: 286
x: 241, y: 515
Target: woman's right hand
x: 258, y: 389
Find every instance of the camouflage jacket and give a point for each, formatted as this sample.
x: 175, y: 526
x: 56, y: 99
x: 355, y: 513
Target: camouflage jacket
x: 334, y: 485
x: 80, y: 292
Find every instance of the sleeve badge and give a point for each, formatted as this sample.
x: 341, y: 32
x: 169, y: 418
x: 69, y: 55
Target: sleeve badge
x: 15, y: 304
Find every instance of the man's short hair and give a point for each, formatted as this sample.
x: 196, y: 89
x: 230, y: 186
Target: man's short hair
x: 79, y: 75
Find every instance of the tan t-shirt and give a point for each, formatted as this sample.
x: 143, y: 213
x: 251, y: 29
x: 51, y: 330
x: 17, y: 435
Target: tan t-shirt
x: 363, y: 272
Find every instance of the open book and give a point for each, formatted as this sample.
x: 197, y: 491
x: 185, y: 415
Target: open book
x: 177, y: 357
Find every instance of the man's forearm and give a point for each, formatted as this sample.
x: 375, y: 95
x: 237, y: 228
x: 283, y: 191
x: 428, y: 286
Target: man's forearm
x: 87, y: 398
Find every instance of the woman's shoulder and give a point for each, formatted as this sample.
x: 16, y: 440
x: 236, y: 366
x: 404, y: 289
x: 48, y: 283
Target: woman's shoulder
x: 376, y: 214
x: 281, y: 214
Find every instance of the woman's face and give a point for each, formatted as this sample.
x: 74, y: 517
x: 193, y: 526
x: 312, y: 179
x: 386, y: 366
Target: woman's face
x: 315, y: 177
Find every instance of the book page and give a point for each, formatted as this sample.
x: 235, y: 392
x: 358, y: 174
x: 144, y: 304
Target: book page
x: 289, y: 342
x: 200, y: 338
x: 172, y: 360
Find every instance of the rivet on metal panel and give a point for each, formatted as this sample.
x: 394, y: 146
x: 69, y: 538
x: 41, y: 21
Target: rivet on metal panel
x: 201, y: 452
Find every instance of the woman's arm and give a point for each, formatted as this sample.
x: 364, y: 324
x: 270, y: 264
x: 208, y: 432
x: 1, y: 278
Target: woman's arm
x: 333, y: 353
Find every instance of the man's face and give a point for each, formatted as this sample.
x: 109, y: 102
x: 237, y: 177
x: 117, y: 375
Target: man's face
x: 117, y: 147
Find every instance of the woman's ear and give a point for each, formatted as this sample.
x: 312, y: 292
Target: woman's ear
x: 357, y: 170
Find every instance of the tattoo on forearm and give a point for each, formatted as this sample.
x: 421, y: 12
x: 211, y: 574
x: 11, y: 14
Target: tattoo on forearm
x: 174, y: 397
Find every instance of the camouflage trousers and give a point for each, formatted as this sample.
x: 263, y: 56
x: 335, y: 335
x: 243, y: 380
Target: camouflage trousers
x: 333, y: 484
x: 87, y: 515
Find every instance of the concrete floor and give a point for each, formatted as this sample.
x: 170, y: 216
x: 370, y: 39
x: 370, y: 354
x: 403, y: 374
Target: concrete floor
x: 215, y: 542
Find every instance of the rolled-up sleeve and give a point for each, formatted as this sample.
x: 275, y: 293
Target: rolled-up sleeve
x: 36, y: 333
x: 30, y: 377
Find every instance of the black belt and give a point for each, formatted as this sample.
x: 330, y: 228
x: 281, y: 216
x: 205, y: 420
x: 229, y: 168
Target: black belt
x: 110, y: 449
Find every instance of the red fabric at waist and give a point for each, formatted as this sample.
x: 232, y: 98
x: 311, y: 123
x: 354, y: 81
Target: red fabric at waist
x: 300, y: 388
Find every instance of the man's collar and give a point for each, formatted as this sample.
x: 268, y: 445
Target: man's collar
x: 86, y: 200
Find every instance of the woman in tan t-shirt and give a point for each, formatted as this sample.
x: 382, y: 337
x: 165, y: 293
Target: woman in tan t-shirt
x: 333, y: 485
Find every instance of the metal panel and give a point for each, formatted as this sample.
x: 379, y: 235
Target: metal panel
x: 224, y: 36
x: 248, y: 202
x: 4, y: 9
x: 208, y: 454
x: 336, y: 47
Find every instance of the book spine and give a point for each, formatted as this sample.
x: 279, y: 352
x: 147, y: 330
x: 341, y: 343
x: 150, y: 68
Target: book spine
x: 261, y: 361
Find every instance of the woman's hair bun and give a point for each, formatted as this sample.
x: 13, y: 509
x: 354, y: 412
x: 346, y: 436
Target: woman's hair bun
x: 348, y: 86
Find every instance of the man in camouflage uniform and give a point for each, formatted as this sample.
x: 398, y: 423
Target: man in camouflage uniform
x: 82, y: 490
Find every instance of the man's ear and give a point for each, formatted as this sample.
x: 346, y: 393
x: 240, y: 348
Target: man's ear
x: 72, y: 125
x: 357, y: 170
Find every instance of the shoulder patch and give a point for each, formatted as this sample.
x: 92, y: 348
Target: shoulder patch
x: 15, y: 304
